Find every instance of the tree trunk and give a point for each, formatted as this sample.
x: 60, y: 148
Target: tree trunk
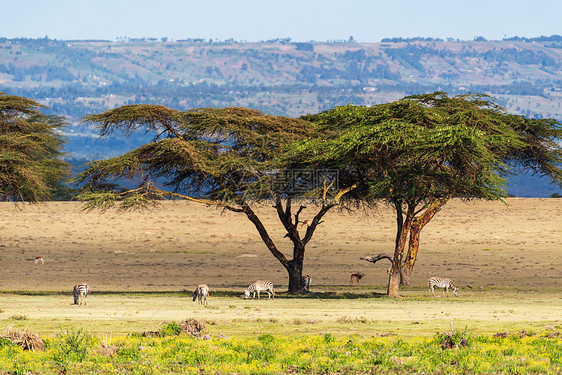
x: 394, y: 283
x: 405, y: 275
x: 295, y: 277
x: 410, y: 260
x: 401, y: 239
x: 295, y: 270
x: 418, y: 223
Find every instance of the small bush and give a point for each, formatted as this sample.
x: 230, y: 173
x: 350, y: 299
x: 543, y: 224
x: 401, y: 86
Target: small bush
x: 5, y: 342
x: 128, y: 354
x: 70, y: 346
x: 171, y: 329
x: 329, y: 338
x: 453, y: 340
x: 266, y: 339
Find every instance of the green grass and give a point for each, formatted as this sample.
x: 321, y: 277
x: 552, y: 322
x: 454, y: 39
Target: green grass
x: 324, y: 332
x: 75, y: 352
x: 364, y: 313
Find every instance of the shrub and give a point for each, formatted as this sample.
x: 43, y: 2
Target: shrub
x: 171, y: 329
x: 70, y: 346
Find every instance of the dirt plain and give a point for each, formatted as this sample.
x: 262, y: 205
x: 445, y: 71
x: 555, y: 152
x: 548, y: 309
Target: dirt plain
x: 181, y: 244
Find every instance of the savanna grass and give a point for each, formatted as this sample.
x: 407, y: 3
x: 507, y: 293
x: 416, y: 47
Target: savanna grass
x: 79, y: 353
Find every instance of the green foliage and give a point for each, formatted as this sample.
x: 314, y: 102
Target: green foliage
x: 218, y: 154
x: 453, y: 340
x: 70, y: 346
x: 329, y: 338
x: 31, y: 168
x: 4, y: 341
x: 431, y: 146
x: 266, y: 339
x: 128, y: 354
x: 171, y: 329
x: 537, y: 354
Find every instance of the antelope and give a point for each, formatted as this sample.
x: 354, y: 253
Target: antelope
x: 306, y: 222
x: 356, y: 276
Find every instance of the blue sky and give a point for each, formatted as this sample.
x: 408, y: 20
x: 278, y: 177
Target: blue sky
x: 300, y: 20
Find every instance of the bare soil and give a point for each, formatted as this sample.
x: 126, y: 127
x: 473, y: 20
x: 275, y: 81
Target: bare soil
x: 182, y: 244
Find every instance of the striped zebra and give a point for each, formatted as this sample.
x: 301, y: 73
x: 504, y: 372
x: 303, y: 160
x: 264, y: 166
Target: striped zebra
x: 258, y: 286
x: 439, y: 282
x: 306, y: 280
x: 81, y: 291
x: 201, y: 292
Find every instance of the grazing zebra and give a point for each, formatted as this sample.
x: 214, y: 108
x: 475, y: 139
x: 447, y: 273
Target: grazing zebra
x: 356, y: 276
x: 81, y: 291
x: 306, y: 280
x: 439, y: 282
x: 201, y: 292
x: 39, y: 260
x: 258, y: 286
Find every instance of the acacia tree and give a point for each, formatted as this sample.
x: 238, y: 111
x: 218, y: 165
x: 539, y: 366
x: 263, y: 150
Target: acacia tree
x: 225, y: 157
x: 417, y: 153
x: 31, y: 144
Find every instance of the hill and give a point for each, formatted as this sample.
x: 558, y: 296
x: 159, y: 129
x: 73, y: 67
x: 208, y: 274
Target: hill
x: 75, y: 78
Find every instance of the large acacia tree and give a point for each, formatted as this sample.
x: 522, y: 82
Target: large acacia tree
x: 31, y: 166
x: 230, y: 158
x: 417, y: 153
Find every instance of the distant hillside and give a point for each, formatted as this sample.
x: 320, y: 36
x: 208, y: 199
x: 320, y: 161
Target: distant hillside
x: 76, y: 78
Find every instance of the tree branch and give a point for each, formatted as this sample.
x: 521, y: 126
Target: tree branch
x: 374, y: 259
x: 265, y: 236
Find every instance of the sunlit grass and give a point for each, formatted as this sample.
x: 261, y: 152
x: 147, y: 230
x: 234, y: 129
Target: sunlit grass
x: 79, y: 353
x: 364, y: 313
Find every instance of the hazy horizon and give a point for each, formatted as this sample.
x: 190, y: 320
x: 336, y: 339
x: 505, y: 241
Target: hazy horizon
x: 302, y: 21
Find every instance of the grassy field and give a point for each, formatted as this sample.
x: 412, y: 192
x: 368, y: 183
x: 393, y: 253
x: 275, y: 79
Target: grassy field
x: 143, y: 267
x: 363, y: 314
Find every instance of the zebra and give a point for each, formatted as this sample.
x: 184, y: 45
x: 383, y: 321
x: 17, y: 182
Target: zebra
x: 439, y: 282
x: 81, y: 291
x: 201, y: 292
x: 258, y: 286
x: 306, y: 280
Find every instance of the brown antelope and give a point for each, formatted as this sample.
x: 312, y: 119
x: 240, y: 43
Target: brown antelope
x: 306, y: 222
x: 39, y: 260
x: 356, y: 276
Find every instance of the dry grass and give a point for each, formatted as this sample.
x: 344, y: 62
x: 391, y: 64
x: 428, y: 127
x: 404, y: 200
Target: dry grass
x: 184, y: 244
x: 509, y: 254
x: 23, y: 338
x: 416, y: 314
